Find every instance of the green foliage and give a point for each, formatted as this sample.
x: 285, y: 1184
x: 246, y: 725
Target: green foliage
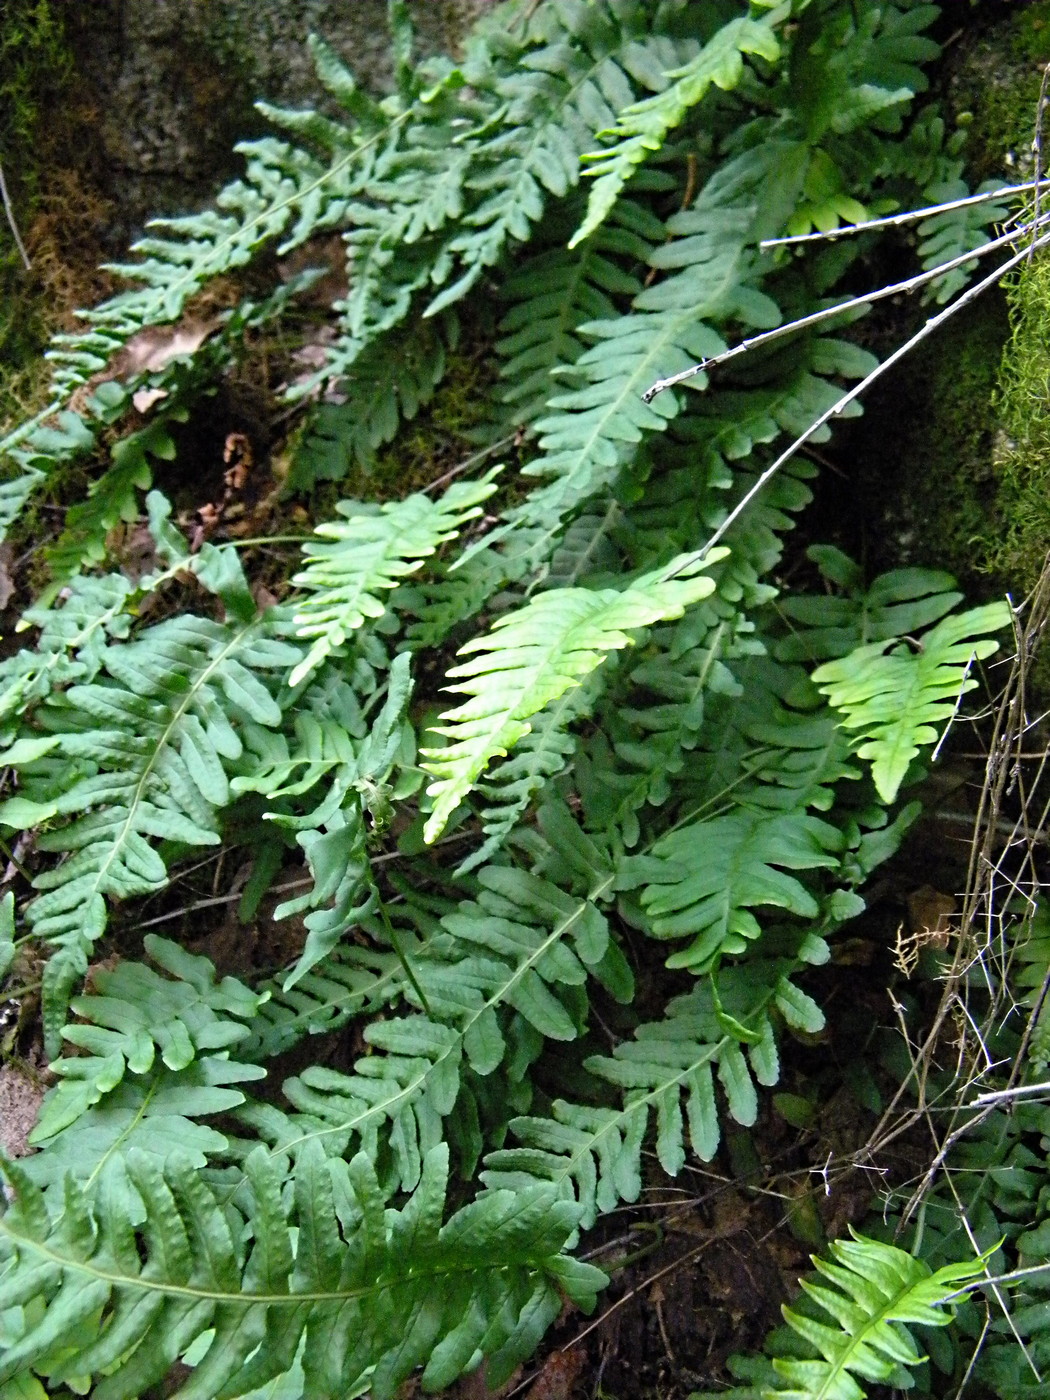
x: 854, y: 1323
x: 637, y: 742
x: 376, y: 1292
x: 896, y: 696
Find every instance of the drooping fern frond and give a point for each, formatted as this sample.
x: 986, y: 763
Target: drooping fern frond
x: 139, y: 756
x: 642, y: 128
x: 533, y: 657
x: 375, y: 1291
x: 370, y: 554
x: 667, y: 1068
x: 894, y: 698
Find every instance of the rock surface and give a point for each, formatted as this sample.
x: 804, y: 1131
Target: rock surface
x: 172, y: 83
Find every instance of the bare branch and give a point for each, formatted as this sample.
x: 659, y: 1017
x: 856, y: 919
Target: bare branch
x: 910, y: 284
x: 9, y: 211
x: 910, y: 216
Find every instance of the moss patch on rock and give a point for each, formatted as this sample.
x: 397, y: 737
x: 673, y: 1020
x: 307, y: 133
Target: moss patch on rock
x: 1022, y: 458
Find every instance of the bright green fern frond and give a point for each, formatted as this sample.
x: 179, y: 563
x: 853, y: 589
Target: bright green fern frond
x: 370, y: 554
x: 377, y: 1292
x: 895, y: 700
x: 533, y: 657
x: 872, y: 1293
x: 643, y: 127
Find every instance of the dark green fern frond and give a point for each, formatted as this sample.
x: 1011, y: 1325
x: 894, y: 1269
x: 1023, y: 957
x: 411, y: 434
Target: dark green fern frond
x: 139, y: 756
x: 131, y: 1014
x: 643, y: 127
x: 375, y: 1291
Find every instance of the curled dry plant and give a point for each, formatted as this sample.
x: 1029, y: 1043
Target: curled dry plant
x: 644, y: 756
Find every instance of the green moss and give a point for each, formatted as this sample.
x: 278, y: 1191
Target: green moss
x: 1023, y: 449
x: 995, y: 82
x: 34, y: 62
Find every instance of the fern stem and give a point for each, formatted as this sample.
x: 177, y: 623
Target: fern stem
x: 402, y: 956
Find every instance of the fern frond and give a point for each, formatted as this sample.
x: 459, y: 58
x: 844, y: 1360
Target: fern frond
x: 575, y: 71
x: 141, y: 755
x: 130, y: 1015
x: 668, y: 1068
x: 371, y: 553
x: 156, y: 1114
x: 556, y: 292
x: 872, y: 1293
x: 533, y: 657
x: 897, y: 604
x: 895, y: 699
x: 376, y: 1292
x: 524, y: 945
x: 643, y: 127
x: 704, y: 879
x: 333, y: 832
x: 386, y: 384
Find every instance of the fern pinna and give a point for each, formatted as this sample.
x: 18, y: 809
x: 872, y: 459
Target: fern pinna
x: 636, y: 742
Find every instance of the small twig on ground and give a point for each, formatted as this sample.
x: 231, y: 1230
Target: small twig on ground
x: 12, y: 223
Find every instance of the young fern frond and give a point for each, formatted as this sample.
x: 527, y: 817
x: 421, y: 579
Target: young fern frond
x: 375, y: 1291
x: 872, y: 1293
x: 533, y: 657
x: 370, y: 554
x: 895, y: 698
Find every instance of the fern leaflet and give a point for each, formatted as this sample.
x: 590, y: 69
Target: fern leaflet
x: 531, y: 658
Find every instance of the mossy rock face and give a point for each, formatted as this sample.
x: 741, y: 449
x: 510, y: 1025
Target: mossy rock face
x: 175, y: 80
x: 918, y: 483
x: 993, y: 79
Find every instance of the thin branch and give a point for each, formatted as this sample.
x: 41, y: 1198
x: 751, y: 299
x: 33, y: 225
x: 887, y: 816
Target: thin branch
x: 12, y: 223
x: 910, y: 284
x: 933, y: 324
x: 911, y: 216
